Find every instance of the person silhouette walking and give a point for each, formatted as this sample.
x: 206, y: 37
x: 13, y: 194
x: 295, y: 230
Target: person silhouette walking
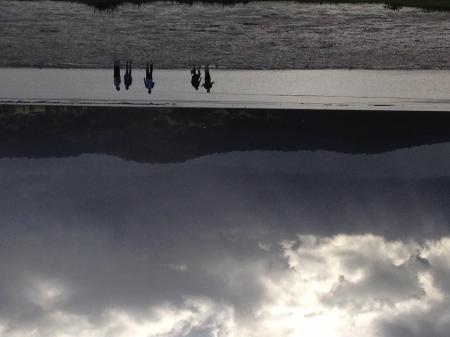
x: 196, y: 77
x: 208, y: 84
x: 117, y: 75
x: 127, y: 78
x: 148, y: 80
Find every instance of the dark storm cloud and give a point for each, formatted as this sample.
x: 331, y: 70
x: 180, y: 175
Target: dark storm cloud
x: 316, y: 192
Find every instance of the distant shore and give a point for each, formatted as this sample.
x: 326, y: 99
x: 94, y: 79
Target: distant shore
x: 167, y: 134
x: 443, y: 5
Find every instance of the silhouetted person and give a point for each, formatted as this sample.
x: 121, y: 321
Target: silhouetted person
x: 196, y: 77
x: 117, y: 75
x: 127, y: 79
x: 148, y: 80
x: 208, y: 84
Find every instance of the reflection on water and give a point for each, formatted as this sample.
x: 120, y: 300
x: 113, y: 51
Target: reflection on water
x: 270, y: 241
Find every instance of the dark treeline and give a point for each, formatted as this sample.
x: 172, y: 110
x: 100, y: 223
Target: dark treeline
x: 443, y: 5
x: 161, y: 134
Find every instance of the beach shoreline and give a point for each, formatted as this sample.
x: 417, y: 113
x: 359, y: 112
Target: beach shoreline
x: 419, y: 90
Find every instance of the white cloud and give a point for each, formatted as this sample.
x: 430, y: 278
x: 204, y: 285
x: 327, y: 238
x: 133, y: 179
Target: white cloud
x: 330, y: 286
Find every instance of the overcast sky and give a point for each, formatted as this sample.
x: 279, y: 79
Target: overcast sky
x: 235, y: 245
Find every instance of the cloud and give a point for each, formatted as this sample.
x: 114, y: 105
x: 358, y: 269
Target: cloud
x: 94, y: 246
x: 313, y: 286
x: 178, y: 267
x: 433, y: 320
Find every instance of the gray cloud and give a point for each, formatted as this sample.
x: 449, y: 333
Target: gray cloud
x: 95, y: 245
x: 382, y: 283
x: 434, y: 322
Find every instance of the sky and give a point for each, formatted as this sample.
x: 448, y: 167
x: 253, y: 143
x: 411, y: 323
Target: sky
x: 242, y: 244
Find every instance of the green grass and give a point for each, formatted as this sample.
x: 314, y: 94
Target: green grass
x: 442, y: 5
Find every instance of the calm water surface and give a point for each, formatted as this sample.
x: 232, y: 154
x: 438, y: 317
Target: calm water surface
x: 255, y: 35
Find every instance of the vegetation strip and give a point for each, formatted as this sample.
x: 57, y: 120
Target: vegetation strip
x: 442, y: 5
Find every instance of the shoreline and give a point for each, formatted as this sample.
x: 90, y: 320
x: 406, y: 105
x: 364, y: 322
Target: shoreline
x: 420, y: 90
x: 212, y: 66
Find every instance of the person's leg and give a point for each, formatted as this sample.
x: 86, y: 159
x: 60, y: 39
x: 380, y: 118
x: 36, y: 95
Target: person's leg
x: 151, y: 71
x: 126, y: 74
x: 147, y: 72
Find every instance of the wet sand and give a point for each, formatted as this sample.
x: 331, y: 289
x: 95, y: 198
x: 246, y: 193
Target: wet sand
x: 422, y: 90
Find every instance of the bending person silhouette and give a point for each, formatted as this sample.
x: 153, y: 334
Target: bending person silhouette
x: 117, y: 75
x: 196, y: 77
x: 148, y: 80
x: 128, y: 79
x: 208, y: 84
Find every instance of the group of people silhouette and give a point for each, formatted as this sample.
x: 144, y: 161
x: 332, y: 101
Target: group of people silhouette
x: 128, y: 77
x: 196, y: 77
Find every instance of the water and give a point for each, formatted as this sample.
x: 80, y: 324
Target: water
x: 258, y: 35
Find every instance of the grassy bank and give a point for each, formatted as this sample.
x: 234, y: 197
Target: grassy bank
x: 173, y: 135
x: 443, y: 5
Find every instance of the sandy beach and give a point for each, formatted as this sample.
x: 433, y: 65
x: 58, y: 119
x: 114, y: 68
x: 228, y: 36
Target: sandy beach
x: 420, y: 90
